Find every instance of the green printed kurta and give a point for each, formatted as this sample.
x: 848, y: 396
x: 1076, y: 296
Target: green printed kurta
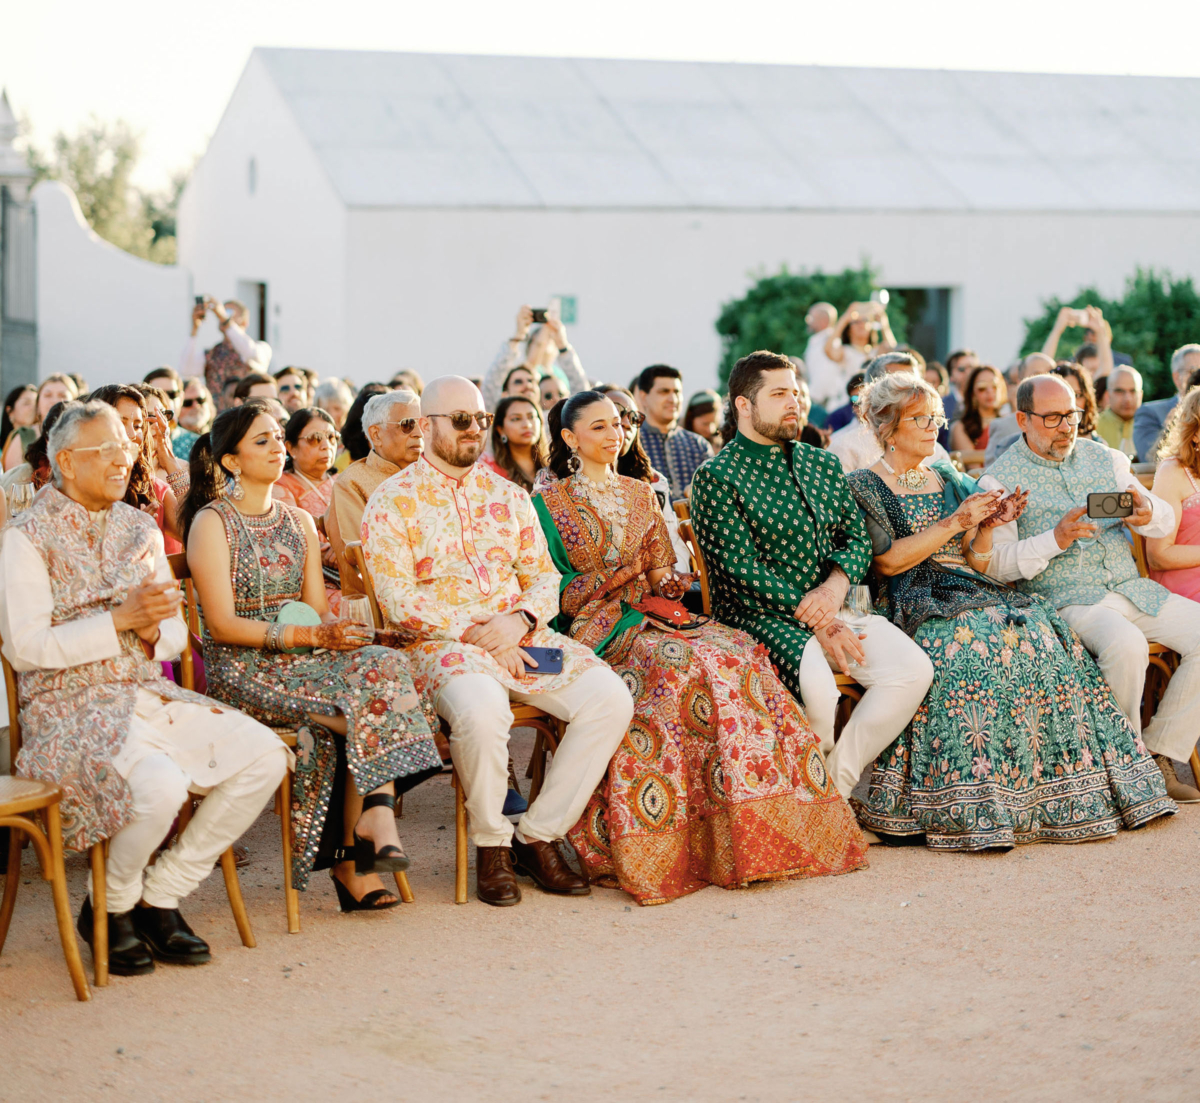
x: 772, y: 522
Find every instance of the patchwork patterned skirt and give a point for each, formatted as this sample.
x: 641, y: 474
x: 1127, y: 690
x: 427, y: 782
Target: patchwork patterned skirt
x: 719, y: 779
x: 1019, y: 740
x: 388, y: 736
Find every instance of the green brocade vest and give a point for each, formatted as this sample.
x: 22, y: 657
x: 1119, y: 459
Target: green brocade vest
x: 1085, y: 572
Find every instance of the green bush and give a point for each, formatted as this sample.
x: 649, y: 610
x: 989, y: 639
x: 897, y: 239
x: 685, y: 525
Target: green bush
x: 771, y: 314
x: 1155, y: 316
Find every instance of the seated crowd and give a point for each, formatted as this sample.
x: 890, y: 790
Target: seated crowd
x: 523, y: 541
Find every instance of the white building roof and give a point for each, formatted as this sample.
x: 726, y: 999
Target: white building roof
x: 429, y: 130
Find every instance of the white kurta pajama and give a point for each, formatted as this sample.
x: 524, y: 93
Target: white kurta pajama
x: 90, y: 700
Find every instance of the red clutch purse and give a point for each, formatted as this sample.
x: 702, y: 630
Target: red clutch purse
x: 673, y: 615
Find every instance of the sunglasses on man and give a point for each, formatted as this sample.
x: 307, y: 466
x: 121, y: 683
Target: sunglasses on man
x: 460, y: 420
x: 405, y: 425
x: 188, y: 403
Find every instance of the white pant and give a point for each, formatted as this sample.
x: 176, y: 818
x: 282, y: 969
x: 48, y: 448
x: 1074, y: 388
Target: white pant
x: 159, y: 789
x: 597, y: 708
x: 896, y: 675
x: 1117, y: 632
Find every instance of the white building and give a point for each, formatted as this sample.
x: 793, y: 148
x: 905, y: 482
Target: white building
x: 387, y: 210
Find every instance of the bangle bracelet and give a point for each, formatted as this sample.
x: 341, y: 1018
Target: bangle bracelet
x: 983, y: 557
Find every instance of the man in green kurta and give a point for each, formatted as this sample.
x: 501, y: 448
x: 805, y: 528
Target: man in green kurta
x: 784, y: 540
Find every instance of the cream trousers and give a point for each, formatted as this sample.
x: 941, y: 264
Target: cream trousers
x: 1118, y: 633
x: 597, y: 708
x: 896, y: 676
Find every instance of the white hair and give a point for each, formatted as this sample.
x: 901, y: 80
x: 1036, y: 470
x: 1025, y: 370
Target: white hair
x: 334, y: 389
x: 376, y: 411
x: 1181, y: 354
x: 885, y: 401
x: 75, y: 415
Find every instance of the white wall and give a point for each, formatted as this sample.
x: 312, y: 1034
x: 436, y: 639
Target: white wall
x: 103, y: 313
x: 289, y: 233
x: 437, y: 289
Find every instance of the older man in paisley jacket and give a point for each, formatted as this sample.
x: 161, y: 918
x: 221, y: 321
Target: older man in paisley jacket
x: 88, y: 611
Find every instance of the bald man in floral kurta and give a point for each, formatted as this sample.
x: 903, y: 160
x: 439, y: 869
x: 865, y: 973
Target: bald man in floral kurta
x: 776, y: 522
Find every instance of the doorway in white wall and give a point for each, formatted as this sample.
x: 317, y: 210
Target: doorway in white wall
x: 928, y: 311
x: 254, y: 294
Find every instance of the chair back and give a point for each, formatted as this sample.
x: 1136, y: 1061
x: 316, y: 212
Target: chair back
x: 191, y: 614
x: 682, y: 510
x: 1139, y: 554
x: 14, y: 715
x: 354, y: 552
x: 688, y: 536
x: 969, y: 461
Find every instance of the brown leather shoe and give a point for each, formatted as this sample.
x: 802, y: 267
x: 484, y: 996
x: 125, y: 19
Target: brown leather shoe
x: 495, y: 882
x: 545, y: 865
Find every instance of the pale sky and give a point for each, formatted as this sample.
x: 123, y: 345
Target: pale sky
x: 168, y: 68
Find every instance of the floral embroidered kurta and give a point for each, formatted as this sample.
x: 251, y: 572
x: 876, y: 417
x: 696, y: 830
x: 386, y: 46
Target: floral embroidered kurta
x: 441, y: 551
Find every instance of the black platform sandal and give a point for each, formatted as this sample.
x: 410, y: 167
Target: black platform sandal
x: 370, y: 901
x: 391, y: 859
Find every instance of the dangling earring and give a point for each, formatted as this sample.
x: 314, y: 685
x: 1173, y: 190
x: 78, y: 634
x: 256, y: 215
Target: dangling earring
x: 236, y: 492
x: 574, y: 463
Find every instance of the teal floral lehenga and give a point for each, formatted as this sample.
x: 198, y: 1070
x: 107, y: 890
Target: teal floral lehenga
x: 1019, y: 739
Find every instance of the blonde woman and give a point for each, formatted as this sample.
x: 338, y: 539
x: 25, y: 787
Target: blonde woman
x: 1175, y: 560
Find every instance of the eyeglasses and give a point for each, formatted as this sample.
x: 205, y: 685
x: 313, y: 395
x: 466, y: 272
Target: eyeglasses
x: 1053, y: 421
x: 322, y: 438
x: 172, y: 395
x: 287, y: 388
x: 188, y: 403
x: 924, y: 421
x: 406, y: 426
x: 169, y: 414
x: 111, y: 451
x: 632, y: 418
x: 461, y: 420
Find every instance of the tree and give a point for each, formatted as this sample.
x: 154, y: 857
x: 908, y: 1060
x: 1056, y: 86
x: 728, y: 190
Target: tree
x: 771, y: 314
x: 1156, y: 315
x: 97, y: 164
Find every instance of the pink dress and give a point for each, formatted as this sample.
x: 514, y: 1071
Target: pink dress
x: 1186, y: 581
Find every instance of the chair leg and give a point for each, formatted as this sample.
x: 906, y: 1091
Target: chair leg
x: 402, y: 886
x: 62, y: 907
x: 99, y: 915
x: 233, y: 888
x: 291, y: 898
x: 537, y: 765
x: 12, y: 879
x: 460, y: 841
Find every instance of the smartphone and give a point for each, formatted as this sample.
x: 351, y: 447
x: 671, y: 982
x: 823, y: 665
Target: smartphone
x: 539, y: 315
x: 1109, y: 504
x: 549, y: 660
x: 199, y: 300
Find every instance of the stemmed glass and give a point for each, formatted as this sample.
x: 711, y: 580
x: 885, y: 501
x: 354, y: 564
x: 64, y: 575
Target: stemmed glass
x: 358, y: 609
x: 20, y: 498
x: 857, y: 602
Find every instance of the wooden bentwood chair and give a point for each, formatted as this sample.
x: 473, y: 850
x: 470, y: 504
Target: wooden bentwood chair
x: 283, y: 796
x: 97, y: 855
x: 548, y: 728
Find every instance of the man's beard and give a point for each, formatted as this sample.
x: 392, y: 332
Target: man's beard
x: 773, y: 430
x: 454, y: 450
x: 1061, y: 449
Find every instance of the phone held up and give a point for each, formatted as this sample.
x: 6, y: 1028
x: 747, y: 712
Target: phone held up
x: 549, y: 660
x: 199, y: 300
x: 539, y: 315
x: 1114, y: 504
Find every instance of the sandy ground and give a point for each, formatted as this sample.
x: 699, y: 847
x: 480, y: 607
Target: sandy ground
x: 1049, y: 973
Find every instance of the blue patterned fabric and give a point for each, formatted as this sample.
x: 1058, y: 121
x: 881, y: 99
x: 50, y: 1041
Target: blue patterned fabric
x: 677, y: 454
x: 1086, y: 571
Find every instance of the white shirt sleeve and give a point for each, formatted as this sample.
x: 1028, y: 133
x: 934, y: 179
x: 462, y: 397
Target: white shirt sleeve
x: 493, y: 379
x: 191, y: 360
x: 1012, y: 557
x: 1162, y: 519
x: 568, y: 363
x: 256, y: 354
x: 32, y: 642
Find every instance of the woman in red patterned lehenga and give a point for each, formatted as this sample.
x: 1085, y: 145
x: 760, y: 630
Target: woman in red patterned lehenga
x: 719, y: 779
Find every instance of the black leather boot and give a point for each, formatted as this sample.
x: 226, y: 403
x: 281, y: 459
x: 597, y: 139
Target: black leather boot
x: 169, y: 937
x: 128, y: 955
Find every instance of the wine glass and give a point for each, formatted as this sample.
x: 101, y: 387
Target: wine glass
x: 20, y: 498
x: 858, y: 601
x: 358, y: 609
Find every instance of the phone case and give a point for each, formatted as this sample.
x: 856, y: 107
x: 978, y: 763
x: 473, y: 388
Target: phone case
x: 549, y: 660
